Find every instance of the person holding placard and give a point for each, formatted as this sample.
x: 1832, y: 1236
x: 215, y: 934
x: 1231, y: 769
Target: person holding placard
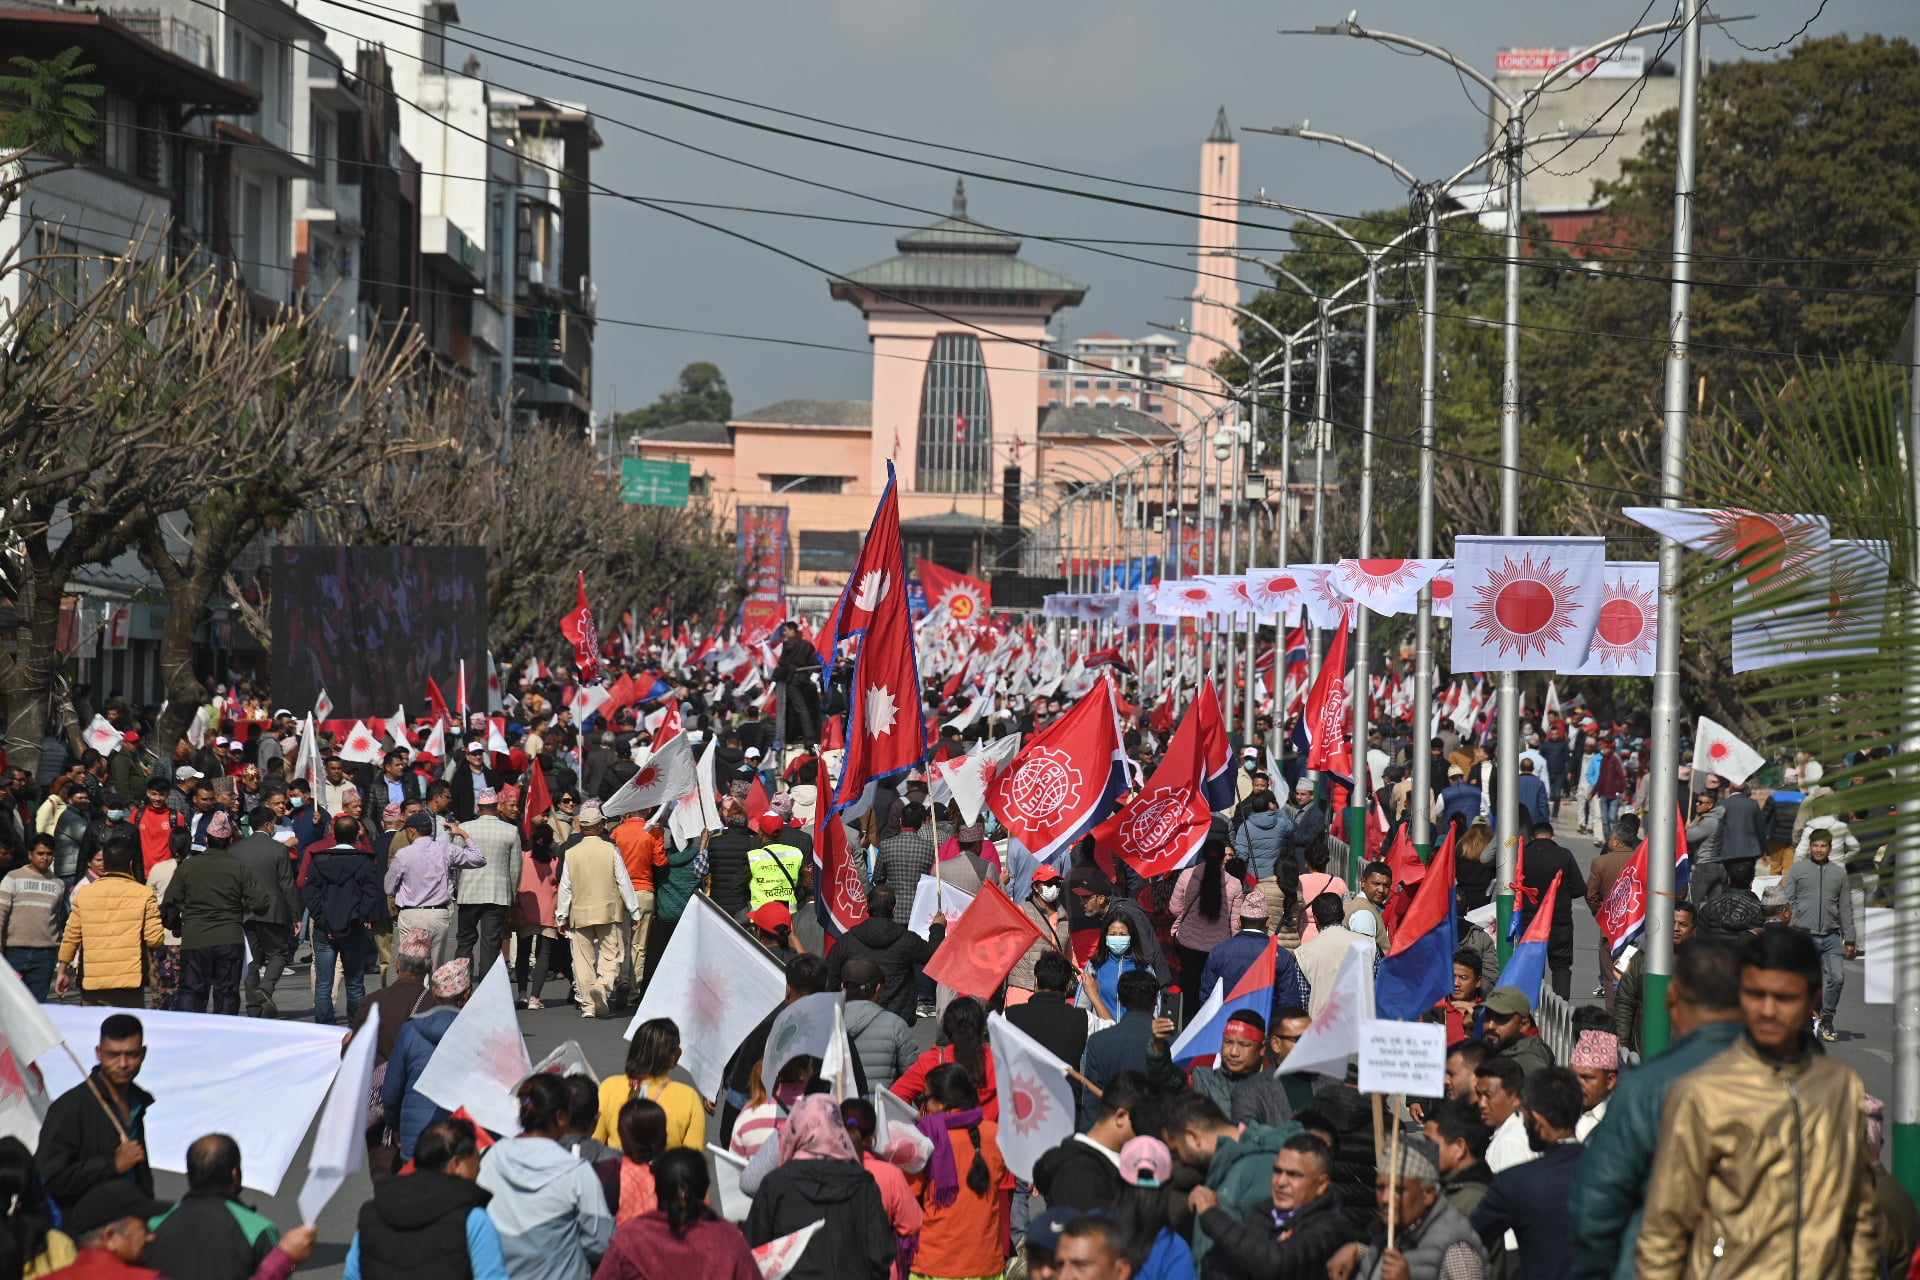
x: 1420, y: 1236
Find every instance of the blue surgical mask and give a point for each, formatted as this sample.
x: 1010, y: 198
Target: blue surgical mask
x: 116, y: 815
x: 1119, y: 943
x: 296, y: 801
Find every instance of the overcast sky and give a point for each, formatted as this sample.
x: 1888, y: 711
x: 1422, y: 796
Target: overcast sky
x: 1124, y: 89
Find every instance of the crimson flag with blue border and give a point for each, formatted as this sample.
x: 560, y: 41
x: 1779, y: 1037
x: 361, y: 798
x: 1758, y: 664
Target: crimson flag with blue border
x: 1418, y: 971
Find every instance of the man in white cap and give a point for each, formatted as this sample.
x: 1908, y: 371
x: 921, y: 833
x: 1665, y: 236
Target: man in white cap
x: 595, y: 900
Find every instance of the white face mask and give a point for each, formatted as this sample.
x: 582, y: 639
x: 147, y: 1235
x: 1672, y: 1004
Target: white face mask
x: 1049, y: 893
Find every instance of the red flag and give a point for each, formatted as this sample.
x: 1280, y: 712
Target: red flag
x: 619, y: 694
x: 436, y: 702
x: 982, y: 946
x: 1329, y: 724
x: 967, y: 598
x: 538, y: 801
x: 1160, y: 830
x: 886, y: 723
x: 578, y: 627
x: 1161, y: 721
x: 1066, y: 779
x: 878, y: 579
x: 1200, y: 746
x: 461, y: 692
x: 757, y: 802
x: 842, y: 897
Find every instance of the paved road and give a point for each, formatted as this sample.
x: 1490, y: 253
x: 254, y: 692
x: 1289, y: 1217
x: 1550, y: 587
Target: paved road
x: 1866, y: 1039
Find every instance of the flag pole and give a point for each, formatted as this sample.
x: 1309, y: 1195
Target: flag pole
x: 1673, y: 473
x: 1363, y: 621
x: 1422, y: 791
x: 1393, y: 1168
x: 1507, y: 744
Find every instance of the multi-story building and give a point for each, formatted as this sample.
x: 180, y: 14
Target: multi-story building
x: 1614, y: 98
x: 328, y: 233
x: 144, y: 170
x: 1105, y: 370
x: 554, y: 297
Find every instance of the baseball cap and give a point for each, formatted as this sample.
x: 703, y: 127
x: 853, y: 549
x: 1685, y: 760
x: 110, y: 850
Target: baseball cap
x: 1146, y: 1162
x: 1044, y: 1232
x: 771, y: 916
x: 474, y: 744
x: 769, y: 824
x: 187, y: 774
x: 1045, y: 872
x: 590, y: 815
x: 1508, y: 1002
x: 753, y: 753
x: 108, y: 1203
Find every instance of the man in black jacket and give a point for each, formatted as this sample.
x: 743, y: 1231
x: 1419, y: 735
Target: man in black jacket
x: 1123, y: 1046
x: 1541, y: 860
x: 207, y: 900
x: 795, y: 669
x: 268, y: 927
x: 1295, y: 1236
x: 96, y: 1131
x: 1531, y: 1199
x: 1060, y: 1028
x: 209, y: 1233
x: 1084, y: 1171
x: 900, y: 953
x: 344, y: 896
x: 1743, y: 837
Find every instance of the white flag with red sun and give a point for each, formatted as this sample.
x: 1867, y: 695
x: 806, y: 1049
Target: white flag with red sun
x: 1629, y: 629
x: 1526, y: 604
x: 1326, y: 603
x: 1036, y: 1102
x: 1442, y: 586
x: 1385, y: 586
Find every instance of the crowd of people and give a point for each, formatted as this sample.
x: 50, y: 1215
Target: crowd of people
x: 399, y: 884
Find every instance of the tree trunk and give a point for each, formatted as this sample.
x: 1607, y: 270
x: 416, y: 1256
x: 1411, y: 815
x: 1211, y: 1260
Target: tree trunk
x: 28, y: 680
x: 183, y: 690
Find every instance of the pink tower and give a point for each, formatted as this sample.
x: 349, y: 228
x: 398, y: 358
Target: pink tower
x: 1213, y: 324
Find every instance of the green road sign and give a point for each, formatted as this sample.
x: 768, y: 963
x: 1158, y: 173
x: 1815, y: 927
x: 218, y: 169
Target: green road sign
x: 652, y: 482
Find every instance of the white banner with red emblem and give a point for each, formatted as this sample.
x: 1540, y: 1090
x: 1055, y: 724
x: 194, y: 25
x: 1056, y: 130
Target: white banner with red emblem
x: 1628, y: 633
x: 1036, y: 1101
x: 1526, y: 604
x: 1387, y: 587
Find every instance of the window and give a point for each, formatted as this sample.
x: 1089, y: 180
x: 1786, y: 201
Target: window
x: 1080, y: 384
x: 283, y: 93
x: 119, y: 140
x: 699, y: 486
x: 956, y: 418
x: 253, y: 233
x: 825, y: 551
x: 806, y: 484
x: 322, y: 147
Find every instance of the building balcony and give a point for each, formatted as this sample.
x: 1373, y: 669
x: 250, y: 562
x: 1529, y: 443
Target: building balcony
x: 454, y: 254
x: 335, y: 203
x: 182, y: 39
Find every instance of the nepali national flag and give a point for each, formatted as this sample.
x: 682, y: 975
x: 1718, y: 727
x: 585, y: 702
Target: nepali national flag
x: 1527, y: 966
x: 879, y: 575
x: 578, y: 627
x: 1328, y: 721
x: 1067, y: 779
x: 967, y: 598
x: 1253, y: 992
x: 886, y: 722
x: 1623, y: 916
x: 1418, y: 971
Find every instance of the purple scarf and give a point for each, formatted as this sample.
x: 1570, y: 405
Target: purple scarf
x: 945, y: 1174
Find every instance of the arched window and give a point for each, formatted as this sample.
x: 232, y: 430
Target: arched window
x: 956, y: 418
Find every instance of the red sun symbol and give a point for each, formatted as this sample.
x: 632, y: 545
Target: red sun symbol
x: 1718, y: 751
x: 647, y: 776
x: 1378, y: 577
x: 1197, y: 594
x: 1627, y: 624
x: 1524, y: 608
x: 1765, y: 544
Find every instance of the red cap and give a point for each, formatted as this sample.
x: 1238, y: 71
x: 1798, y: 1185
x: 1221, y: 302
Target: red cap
x: 1045, y: 872
x: 771, y: 916
x: 769, y: 824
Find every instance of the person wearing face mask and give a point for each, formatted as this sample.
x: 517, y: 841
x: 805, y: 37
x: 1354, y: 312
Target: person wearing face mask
x: 1531, y: 1201
x: 1119, y: 954
x: 1044, y: 908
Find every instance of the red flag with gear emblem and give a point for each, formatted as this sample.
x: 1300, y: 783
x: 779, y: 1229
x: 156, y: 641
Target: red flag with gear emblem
x: 579, y: 629
x: 1329, y: 722
x: 842, y: 897
x: 1067, y: 778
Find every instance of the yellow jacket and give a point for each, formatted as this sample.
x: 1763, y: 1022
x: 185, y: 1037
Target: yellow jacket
x: 117, y: 920
x: 1763, y: 1172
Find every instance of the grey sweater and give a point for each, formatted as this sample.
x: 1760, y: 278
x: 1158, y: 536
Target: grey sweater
x: 1817, y: 892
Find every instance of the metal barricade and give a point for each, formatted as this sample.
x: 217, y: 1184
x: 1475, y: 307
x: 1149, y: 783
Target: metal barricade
x: 1554, y: 1017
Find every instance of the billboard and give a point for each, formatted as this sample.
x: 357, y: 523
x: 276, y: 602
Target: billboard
x: 761, y: 540
x: 370, y: 624
x: 653, y: 482
x: 1627, y: 63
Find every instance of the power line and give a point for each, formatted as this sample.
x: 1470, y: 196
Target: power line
x: 796, y: 135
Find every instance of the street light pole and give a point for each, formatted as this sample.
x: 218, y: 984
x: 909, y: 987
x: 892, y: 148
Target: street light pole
x: 1663, y: 797
x: 1507, y: 808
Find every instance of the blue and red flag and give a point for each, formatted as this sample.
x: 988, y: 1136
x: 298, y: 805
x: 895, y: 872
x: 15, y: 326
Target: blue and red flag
x: 1623, y: 916
x: 1527, y: 966
x: 1418, y: 971
x: 1067, y: 778
x: 1253, y: 992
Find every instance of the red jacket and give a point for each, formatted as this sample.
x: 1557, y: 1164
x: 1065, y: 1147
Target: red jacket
x: 156, y: 836
x: 913, y: 1082
x: 100, y: 1264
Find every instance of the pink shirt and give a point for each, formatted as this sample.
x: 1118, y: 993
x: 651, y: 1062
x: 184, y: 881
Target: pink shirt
x: 1312, y: 885
x: 1193, y: 930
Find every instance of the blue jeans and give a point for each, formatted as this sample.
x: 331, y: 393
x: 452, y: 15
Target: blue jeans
x: 35, y: 967
x: 356, y: 953
x: 1609, y: 814
x: 1833, y: 971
